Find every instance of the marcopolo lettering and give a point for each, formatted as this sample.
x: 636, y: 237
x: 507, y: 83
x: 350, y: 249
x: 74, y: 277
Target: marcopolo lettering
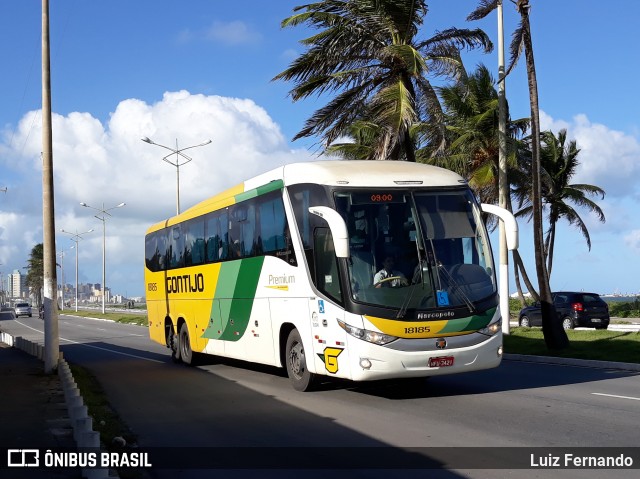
x: 185, y: 283
x: 436, y: 315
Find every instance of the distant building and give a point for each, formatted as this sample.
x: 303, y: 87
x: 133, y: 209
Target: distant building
x: 17, y: 285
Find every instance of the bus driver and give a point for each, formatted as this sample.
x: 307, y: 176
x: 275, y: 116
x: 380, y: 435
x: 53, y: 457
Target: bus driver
x: 389, y: 277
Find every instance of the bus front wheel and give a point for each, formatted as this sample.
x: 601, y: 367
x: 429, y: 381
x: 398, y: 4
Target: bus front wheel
x: 301, y: 378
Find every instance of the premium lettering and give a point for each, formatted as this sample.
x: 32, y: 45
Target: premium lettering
x: 281, y: 279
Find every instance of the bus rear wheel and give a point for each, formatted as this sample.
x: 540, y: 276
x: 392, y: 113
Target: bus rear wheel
x: 301, y: 378
x: 184, y: 346
x: 172, y: 344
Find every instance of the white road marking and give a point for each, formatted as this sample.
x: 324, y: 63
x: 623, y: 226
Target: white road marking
x: 96, y: 347
x: 616, y: 396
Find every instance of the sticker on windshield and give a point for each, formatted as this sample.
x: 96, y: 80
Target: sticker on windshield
x: 443, y: 298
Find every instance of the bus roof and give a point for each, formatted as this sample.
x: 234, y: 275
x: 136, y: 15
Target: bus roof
x: 354, y: 173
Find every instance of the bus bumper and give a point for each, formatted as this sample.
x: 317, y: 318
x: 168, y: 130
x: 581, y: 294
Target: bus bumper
x: 371, y: 362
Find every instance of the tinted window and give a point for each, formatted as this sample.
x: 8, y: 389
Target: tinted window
x: 250, y: 228
x: 194, y: 242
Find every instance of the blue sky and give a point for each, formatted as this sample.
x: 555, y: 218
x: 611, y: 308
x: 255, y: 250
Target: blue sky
x: 195, y: 70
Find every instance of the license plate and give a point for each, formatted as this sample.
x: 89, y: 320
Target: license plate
x: 441, y: 362
x: 596, y: 320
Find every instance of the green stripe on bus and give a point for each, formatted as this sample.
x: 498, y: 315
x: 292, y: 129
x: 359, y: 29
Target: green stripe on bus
x: 260, y: 190
x: 244, y: 293
x: 233, y: 299
x: 471, y: 323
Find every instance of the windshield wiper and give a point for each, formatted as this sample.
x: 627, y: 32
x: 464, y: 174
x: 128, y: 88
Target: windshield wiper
x: 455, y: 287
x: 418, y: 274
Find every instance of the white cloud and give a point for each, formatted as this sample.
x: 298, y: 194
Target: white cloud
x: 233, y: 33
x: 632, y: 240
x: 108, y: 163
x: 608, y: 158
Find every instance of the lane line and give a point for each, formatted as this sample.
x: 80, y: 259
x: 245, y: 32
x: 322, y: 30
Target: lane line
x: 112, y: 351
x: 95, y: 347
x: 616, y: 396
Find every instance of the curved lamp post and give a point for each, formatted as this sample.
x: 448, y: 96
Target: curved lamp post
x: 102, y: 216
x: 179, y: 153
x: 75, y: 237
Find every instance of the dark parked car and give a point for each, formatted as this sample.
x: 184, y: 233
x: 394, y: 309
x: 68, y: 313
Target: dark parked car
x: 574, y: 309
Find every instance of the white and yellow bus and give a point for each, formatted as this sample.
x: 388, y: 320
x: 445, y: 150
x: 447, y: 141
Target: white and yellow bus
x: 285, y: 269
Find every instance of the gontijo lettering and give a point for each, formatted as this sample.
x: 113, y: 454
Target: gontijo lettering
x: 185, y: 283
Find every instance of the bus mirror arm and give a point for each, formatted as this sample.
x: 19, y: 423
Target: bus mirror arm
x: 337, y: 226
x: 510, y: 223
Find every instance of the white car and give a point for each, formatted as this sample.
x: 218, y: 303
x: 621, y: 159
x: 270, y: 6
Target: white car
x: 22, y: 309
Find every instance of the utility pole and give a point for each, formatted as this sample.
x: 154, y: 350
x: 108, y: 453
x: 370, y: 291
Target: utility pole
x: 51, y: 339
x: 503, y: 184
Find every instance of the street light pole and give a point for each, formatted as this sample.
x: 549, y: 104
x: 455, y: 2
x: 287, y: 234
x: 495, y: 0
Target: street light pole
x: 103, y: 218
x: 503, y: 185
x: 75, y: 237
x: 179, y: 153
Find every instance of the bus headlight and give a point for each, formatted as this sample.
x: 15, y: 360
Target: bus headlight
x: 491, y: 328
x: 366, y: 335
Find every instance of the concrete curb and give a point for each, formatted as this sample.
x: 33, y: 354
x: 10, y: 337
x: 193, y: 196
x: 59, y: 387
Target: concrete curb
x: 83, y: 434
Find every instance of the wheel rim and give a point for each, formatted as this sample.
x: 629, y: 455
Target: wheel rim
x: 296, y: 360
x: 525, y: 322
x: 567, y: 323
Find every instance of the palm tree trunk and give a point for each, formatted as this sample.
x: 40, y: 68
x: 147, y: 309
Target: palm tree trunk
x: 554, y: 335
x: 516, y: 278
x: 517, y: 262
x: 552, y: 241
x: 409, y: 147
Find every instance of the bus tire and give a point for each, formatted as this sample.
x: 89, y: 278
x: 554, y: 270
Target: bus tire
x: 186, y: 354
x: 184, y: 345
x: 173, y: 344
x: 296, y: 363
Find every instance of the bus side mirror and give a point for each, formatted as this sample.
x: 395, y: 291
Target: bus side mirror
x: 510, y: 223
x: 337, y: 226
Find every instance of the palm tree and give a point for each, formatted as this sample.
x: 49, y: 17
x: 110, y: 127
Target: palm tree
x: 559, y: 163
x: 35, y: 271
x: 359, y: 144
x: 368, y: 53
x: 555, y: 337
x: 471, y: 118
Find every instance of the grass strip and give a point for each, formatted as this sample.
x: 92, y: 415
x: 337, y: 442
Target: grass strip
x: 601, y: 345
x: 118, y: 317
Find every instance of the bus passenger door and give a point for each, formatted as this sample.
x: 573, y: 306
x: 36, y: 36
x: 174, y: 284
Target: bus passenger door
x: 289, y: 310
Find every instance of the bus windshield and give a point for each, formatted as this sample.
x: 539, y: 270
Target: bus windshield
x: 416, y: 249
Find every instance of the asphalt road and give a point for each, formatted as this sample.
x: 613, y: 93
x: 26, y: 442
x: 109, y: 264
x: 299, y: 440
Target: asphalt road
x: 237, y: 405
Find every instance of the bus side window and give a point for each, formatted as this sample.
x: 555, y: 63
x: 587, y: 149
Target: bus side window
x: 151, y: 252
x: 326, y: 262
x: 194, y: 242
x: 216, y: 242
x: 176, y: 248
x: 274, y: 239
